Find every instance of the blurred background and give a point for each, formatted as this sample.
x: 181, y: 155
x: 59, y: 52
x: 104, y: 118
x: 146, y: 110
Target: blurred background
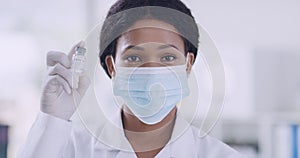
x: 258, y: 41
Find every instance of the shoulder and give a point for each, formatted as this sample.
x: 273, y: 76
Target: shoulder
x: 82, y: 135
x: 211, y: 147
x: 86, y: 139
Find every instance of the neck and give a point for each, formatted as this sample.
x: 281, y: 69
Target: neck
x: 144, y: 137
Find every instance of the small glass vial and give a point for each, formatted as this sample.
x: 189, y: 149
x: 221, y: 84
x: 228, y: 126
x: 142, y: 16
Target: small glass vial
x: 78, y: 66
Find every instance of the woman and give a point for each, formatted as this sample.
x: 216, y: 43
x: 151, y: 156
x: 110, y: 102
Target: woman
x: 148, y: 53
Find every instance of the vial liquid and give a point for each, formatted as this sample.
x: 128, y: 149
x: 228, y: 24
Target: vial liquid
x: 78, y: 65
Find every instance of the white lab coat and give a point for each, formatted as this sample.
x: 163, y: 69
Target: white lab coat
x: 51, y: 137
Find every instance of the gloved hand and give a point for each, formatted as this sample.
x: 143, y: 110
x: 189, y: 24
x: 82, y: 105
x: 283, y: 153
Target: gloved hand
x: 60, y: 94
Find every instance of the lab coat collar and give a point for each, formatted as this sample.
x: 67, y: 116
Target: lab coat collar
x: 111, y: 137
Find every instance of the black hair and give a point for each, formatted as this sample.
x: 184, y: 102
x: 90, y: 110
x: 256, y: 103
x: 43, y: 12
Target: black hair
x: 118, y: 20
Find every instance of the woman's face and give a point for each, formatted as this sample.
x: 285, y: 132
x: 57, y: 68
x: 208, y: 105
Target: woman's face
x: 150, y: 43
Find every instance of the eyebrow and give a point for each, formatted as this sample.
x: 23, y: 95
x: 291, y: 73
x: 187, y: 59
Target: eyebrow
x: 134, y: 47
x: 142, y: 49
x: 167, y: 46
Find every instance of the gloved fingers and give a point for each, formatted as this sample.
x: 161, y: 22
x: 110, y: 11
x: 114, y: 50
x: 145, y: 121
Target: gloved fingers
x: 62, y: 71
x: 58, y: 80
x: 72, y: 51
x: 54, y: 57
x: 83, y: 84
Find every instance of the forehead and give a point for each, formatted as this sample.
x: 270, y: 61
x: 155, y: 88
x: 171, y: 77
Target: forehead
x: 150, y: 30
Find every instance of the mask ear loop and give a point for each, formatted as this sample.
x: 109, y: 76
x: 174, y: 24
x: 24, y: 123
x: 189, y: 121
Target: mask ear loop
x: 187, y: 60
x: 118, y: 100
x: 187, y: 64
x: 114, y: 66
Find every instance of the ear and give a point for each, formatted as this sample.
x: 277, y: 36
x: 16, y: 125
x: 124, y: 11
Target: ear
x: 110, y: 65
x: 190, y: 62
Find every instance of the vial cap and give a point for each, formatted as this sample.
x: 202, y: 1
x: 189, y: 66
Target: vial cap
x: 80, y: 50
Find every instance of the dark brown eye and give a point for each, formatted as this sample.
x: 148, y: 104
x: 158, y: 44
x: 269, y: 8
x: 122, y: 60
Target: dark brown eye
x: 133, y: 58
x: 168, y: 58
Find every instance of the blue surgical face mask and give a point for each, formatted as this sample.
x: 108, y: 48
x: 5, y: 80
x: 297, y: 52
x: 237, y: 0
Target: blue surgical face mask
x: 151, y: 92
